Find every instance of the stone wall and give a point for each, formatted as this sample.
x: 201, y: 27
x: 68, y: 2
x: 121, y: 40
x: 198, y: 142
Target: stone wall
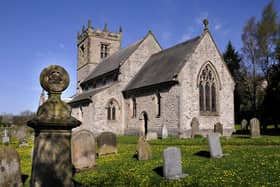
x: 189, y: 92
x: 169, y: 114
x: 95, y: 114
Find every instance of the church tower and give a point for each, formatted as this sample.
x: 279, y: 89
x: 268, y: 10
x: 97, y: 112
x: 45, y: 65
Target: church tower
x: 93, y: 45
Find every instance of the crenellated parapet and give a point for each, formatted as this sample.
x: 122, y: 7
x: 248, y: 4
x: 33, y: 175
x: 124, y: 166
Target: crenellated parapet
x: 91, y: 31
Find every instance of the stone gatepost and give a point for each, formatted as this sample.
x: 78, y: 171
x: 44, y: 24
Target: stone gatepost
x: 52, y: 164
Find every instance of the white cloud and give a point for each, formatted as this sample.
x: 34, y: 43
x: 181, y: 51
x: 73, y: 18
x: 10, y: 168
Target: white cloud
x: 218, y: 26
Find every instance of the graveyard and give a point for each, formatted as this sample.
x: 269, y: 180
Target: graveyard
x: 246, y: 162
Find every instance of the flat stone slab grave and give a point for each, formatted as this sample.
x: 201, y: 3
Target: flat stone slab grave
x: 172, y: 163
x: 215, y: 145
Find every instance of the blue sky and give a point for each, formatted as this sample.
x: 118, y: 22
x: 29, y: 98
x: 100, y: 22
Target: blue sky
x: 37, y: 33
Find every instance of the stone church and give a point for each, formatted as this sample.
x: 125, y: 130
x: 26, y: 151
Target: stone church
x: 142, y: 87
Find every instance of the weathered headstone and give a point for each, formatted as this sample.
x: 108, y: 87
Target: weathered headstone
x: 172, y: 163
x: 83, y: 150
x: 143, y: 149
x: 244, y: 124
x: 151, y: 136
x: 6, y: 138
x: 255, y: 127
x: 107, y: 143
x: 215, y: 145
x: 195, y: 127
x: 51, y: 165
x: 164, y: 132
x: 10, y: 175
x: 218, y: 128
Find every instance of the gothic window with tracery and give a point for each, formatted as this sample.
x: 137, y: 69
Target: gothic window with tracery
x: 207, y: 90
x: 112, y: 110
x: 104, y: 50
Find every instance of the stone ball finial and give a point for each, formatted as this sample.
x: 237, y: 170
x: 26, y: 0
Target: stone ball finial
x: 205, y: 22
x: 54, y: 79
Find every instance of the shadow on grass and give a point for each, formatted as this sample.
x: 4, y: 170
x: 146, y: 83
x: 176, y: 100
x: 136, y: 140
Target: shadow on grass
x: 135, y: 156
x: 24, y: 177
x: 159, y: 170
x: 205, y: 154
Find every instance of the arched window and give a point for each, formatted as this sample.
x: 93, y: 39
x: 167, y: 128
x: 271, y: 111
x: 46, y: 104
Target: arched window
x: 207, y: 90
x: 134, y: 107
x: 112, y: 110
x: 158, y: 104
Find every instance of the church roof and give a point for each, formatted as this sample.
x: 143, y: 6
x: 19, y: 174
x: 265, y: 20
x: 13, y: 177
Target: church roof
x: 85, y: 97
x: 113, y: 62
x: 164, y: 66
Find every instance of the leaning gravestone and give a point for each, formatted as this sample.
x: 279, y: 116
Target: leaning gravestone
x: 244, y: 124
x: 255, y: 127
x: 51, y: 164
x: 215, y: 145
x: 172, y: 163
x: 83, y: 150
x: 6, y: 138
x: 218, y: 128
x: 10, y: 175
x: 143, y: 149
x: 151, y: 136
x: 195, y: 127
x: 107, y: 143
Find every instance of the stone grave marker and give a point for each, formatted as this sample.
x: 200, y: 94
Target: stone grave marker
x: 151, y: 136
x: 107, y: 143
x: 172, y: 163
x: 215, y: 145
x: 6, y: 138
x: 53, y: 124
x: 164, y: 132
x: 195, y: 127
x: 218, y: 128
x: 255, y: 127
x: 10, y: 174
x: 244, y: 124
x: 143, y: 149
x: 83, y: 149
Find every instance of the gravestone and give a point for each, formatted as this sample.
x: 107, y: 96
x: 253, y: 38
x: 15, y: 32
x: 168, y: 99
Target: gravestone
x: 164, y: 132
x: 83, y: 150
x: 195, y: 127
x: 10, y: 175
x: 107, y: 143
x: 254, y: 127
x: 143, y: 149
x: 6, y: 138
x: 218, y: 128
x: 172, y: 163
x: 51, y: 164
x: 151, y: 136
x: 215, y: 145
x: 244, y: 124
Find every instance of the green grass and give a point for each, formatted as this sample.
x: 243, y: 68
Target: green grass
x: 248, y: 162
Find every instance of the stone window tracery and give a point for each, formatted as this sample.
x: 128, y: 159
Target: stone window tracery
x: 112, y: 112
x: 207, y: 91
x: 104, y: 50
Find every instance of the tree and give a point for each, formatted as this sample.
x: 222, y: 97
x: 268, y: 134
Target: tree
x: 266, y: 36
x: 250, y: 52
x: 233, y: 59
x: 272, y: 97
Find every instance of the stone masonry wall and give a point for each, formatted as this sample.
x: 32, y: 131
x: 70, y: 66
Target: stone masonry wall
x: 95, y: 114
x: 189, y: 103
x: 169, y: 115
